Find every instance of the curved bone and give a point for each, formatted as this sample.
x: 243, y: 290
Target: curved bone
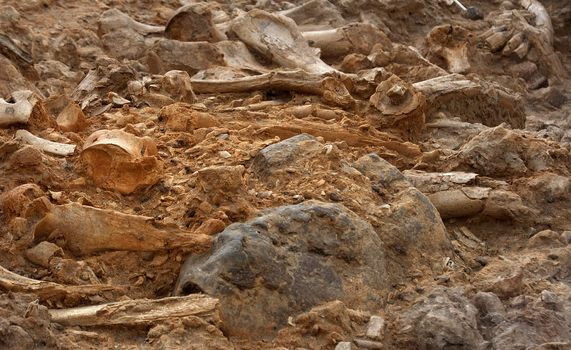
x: 19, y: 111
x: 60, y: 149
x: 542, y: 19
x: 88, y: 230
x: 113, y: 19
x: 277, y: 38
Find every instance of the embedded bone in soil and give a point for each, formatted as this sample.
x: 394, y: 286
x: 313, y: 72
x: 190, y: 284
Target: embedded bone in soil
x: 60, y: 149
x: 19, y: 111
x: 139, y: 311
x: 278, y: 38
x: 87, y: 230
x: 121, y: 161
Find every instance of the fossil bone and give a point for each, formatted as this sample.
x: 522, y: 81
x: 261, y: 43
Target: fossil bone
x: 88, y: 230
x: 19, y: 111
x: 356, y: 37
x: 60, y: 149
x: 277, y: 38
x: 121, y: 161
x: 138, y: 312
x: 47, y: 290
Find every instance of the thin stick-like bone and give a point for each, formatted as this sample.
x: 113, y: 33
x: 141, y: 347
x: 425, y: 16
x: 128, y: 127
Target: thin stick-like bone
x: 138, y: 311
x: 60, y: 149
x: 45, y: 290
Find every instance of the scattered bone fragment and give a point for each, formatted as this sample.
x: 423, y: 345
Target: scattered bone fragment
x: 139, y: 311
x: 162, y: 90
x: 237, y: 56
x: 18, y: 112
x: 434, y: 182
x: 193, y: 23
x: 72, y: 118
x: 97, y: 83
x: 60, y: 149
x: 121, y: 161
x: 376, y: 328
x: 277, y: 38
x: 293, y: 80
x: 178, y: 86
x: 43, y: 252
x: 87, y: 230
x: 449, y: 43
x: 15, y: 202
x: 13, y: 282
x: 117, y: 100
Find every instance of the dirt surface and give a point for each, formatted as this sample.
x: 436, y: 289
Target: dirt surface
x: 344, y: 174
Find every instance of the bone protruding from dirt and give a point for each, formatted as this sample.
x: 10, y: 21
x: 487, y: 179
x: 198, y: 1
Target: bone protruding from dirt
x: 450, y: 44
x: 13, y: 282
x: 139, y: 311
x: 121, y: 161
x: 474, y: 102
x: 166, y: 55
x: 173, y: 86
x: 20, y: 110
x: 60, y: 149
x: 193, y: 23
x: 88, y: 230
x: 401, y: 107
x: 277, y: 38
x: 113, y: 20
x: 513, y: 33
x: 315, y: 14
x: 294, y: 81
x: 356, y: 37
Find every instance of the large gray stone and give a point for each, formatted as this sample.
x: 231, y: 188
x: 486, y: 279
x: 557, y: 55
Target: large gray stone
x: 285, y: 262
x: 445, y: 319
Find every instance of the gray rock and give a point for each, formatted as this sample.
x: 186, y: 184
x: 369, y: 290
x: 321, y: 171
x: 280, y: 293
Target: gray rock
x: 492, y: 311
x: 445, y: 319
x: 378, y: 170
x: 274, y: 158
x: 285, y: 262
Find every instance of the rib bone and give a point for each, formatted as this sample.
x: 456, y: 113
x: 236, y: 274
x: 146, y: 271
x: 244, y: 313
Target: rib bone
x: 60, y: 149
